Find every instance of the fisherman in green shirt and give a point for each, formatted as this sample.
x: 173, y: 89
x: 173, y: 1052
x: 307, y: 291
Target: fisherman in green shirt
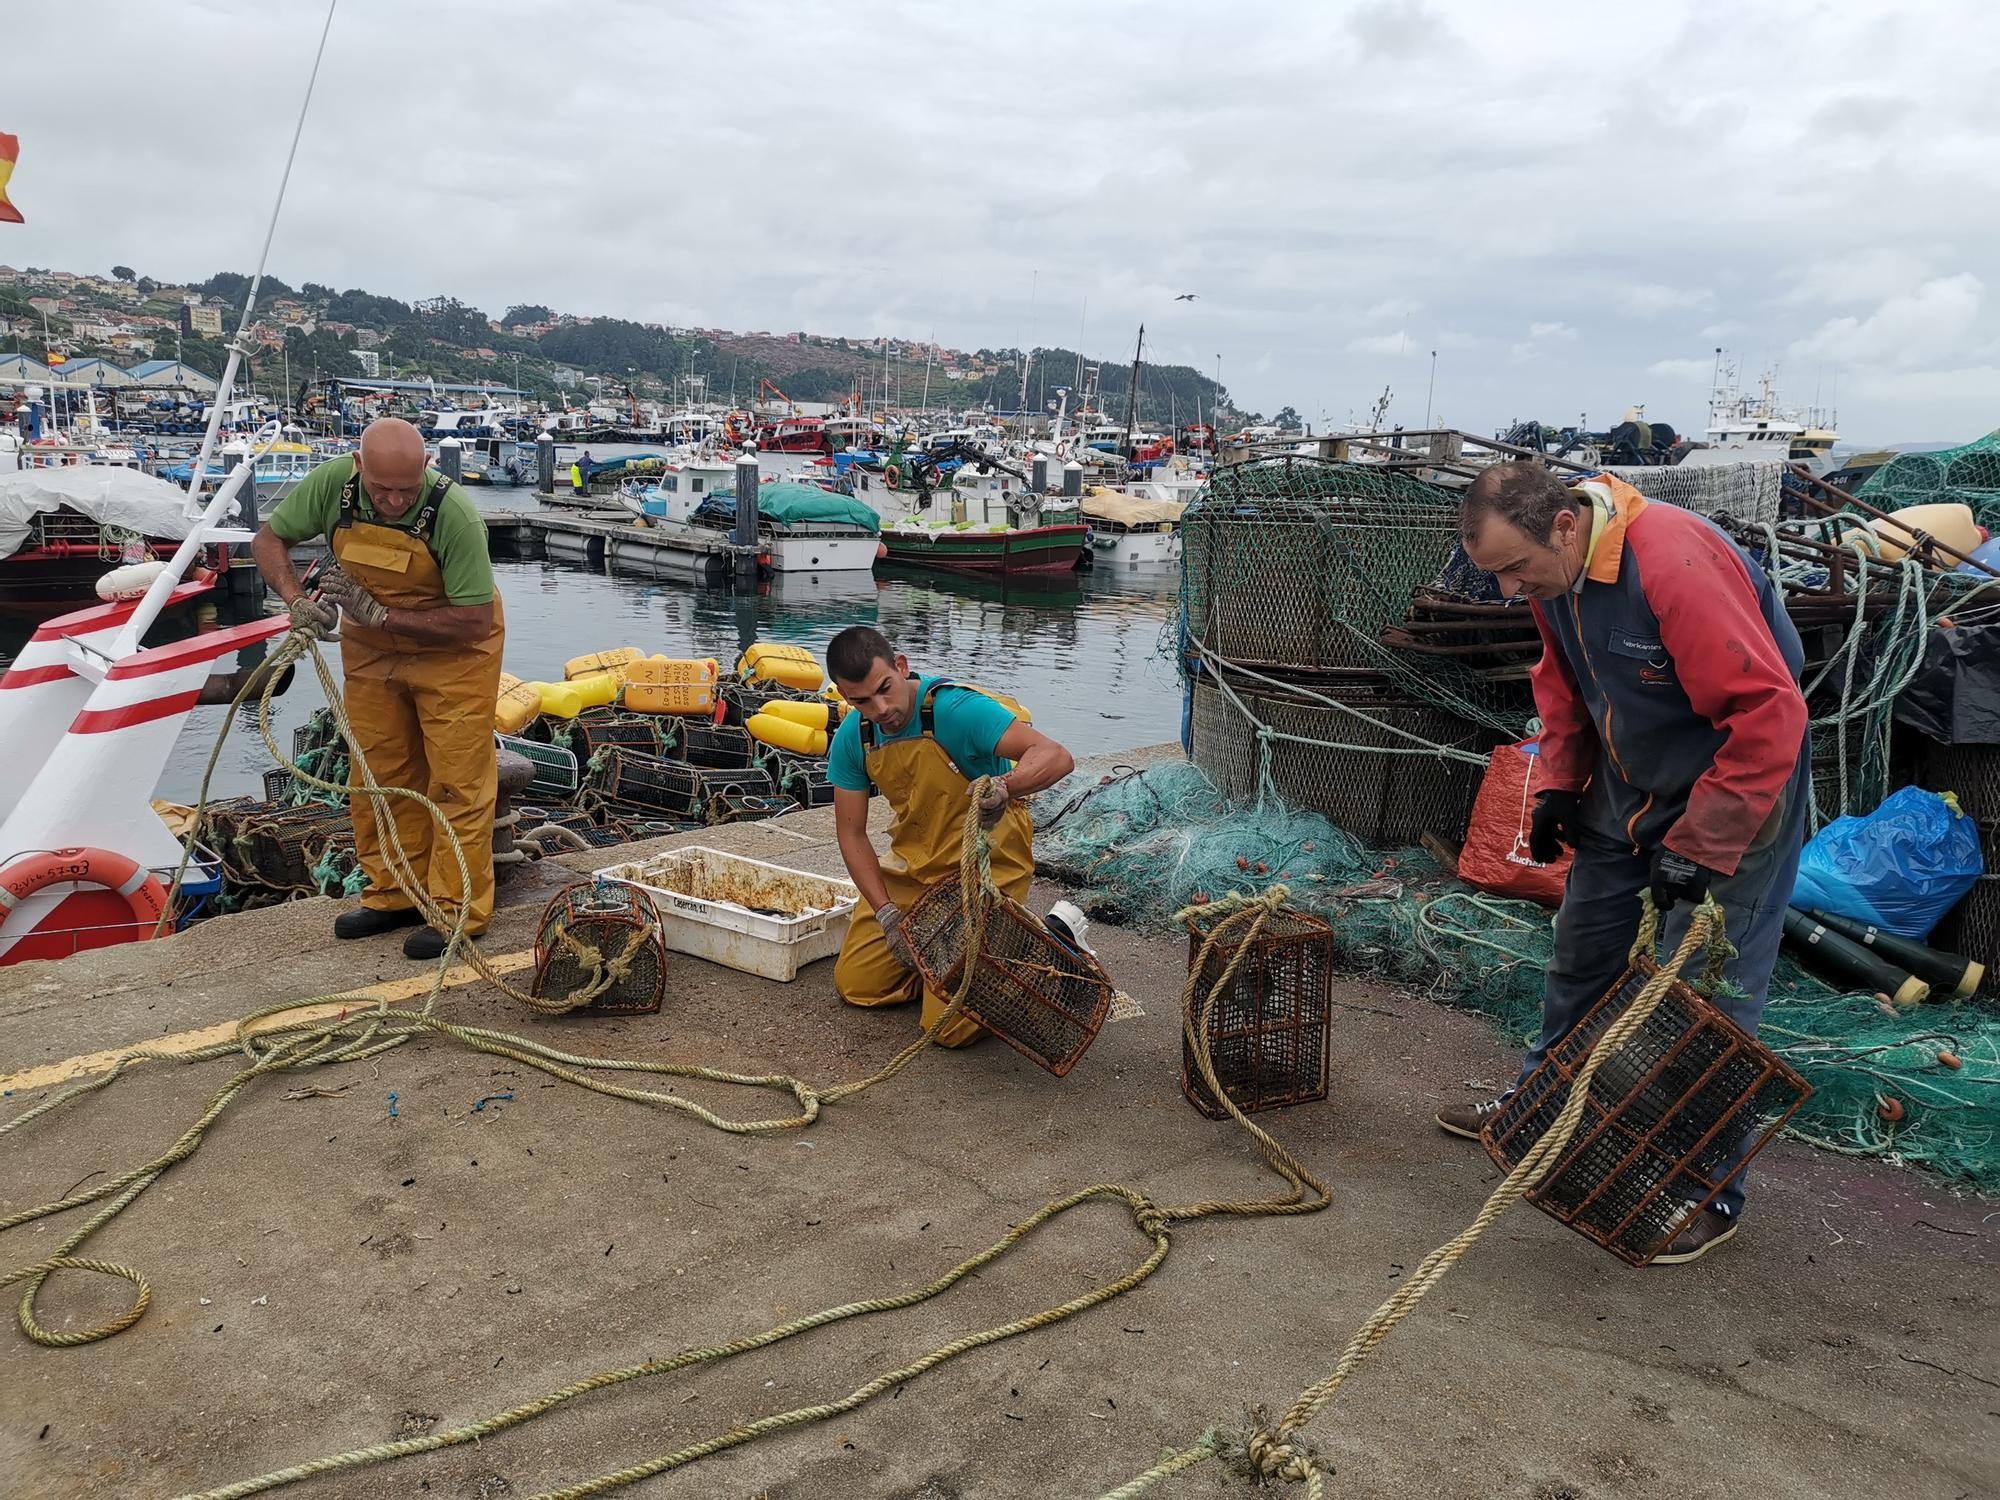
x: 420, y: 651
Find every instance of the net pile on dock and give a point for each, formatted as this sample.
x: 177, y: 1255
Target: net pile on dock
x: 1148, y: 843
x: 1968, y: 475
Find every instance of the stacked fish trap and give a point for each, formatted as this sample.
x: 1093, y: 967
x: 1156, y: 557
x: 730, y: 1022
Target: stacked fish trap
x: 1295, y: 570
x: 597, y: 730
x: 643, y: 785
x: 1660, y: 1127
x: 1040, y: 996
x: 555, y: 768
x: 1267, y: 1029
x: 719, y: 747
x: 601, y: 940
x: 307, y: 850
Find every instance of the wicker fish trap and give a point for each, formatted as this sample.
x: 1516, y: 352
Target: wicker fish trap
x: 1038, y: 995
x: 1660, y: 1128
x: 1267, y: 1029
x: 601, y: 940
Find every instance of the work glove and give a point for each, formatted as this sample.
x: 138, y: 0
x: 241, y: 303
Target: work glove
x: 1553, y: 825
x: 891, y: 917
x: 1677, y: 878
x: 992, y: 801
x: 315, y: 617
x: 363, y: 607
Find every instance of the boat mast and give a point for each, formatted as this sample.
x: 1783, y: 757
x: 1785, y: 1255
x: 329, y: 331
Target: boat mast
x: 1132, y: 399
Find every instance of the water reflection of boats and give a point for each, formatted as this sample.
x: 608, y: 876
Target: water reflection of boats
x: 1050, y: 589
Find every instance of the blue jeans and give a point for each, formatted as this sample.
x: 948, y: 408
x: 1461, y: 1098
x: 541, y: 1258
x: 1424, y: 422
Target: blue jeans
x: 1599, y: 921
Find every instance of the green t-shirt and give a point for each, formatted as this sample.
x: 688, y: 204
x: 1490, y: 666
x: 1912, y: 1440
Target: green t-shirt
x: 458, y: 537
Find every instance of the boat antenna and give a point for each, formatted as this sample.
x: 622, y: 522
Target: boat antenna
x: 236, y: 346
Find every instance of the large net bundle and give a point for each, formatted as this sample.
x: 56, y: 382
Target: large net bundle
x: 1299, y: 563
x: 1921, y: 1086
x: 1744, y: 492
x: 1969, y: 475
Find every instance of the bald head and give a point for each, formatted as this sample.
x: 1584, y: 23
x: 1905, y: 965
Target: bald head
x: 392, y: 465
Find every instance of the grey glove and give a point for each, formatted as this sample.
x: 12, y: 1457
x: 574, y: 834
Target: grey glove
x: 993, y: 802
x: 363, y: 607
x: 314, y: 617
x: 891, y: 917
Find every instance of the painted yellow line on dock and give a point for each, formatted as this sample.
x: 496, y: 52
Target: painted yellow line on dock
x: 85, y: 1064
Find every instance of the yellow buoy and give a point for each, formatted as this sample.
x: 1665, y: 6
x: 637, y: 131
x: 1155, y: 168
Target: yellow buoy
x: 794, y: 666
x: 616, y: 660
x: 816, y: 715
x: 560, y: 700
x: 670, y: 685
x: 517, y: 706
x: 598, y: 689
x: 786, y: 734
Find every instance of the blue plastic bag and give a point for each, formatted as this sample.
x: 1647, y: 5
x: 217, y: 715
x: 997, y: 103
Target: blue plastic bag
x: 1900, y: 868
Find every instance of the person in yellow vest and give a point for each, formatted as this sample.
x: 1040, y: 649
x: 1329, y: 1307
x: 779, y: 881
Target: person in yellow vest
x: 420, y: 650
x: 921, y: 743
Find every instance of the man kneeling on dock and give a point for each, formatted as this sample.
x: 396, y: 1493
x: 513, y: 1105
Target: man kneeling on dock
x: 922, y: 742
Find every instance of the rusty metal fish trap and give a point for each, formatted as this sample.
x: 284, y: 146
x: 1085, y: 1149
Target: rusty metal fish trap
x: 1267, y: 1030
x: 1041, y: 997
x: 602, y: 941
x: 1660, y: 1127
x: 634, y: 779
x: 307, y: 850
x: 597, y: 729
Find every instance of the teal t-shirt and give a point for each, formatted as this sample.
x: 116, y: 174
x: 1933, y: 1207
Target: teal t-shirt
x: 968, y: 727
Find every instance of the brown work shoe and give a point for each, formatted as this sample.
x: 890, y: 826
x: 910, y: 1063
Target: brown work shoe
x: 1697, y: 1237
x: 1468, y: 1119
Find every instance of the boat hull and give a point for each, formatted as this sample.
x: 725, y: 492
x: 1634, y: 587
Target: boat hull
x: 1039, y: 549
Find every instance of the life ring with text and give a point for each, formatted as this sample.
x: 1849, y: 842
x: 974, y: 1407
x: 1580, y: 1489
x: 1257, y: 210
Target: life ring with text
x: 115, y: 872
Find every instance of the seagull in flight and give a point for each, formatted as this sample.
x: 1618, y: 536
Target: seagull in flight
x: 1185, y: 297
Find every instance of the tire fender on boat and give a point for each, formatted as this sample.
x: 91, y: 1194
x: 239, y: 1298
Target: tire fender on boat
x: 114, y: 872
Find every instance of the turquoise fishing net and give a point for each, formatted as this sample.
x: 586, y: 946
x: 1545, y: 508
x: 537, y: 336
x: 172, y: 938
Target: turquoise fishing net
x: 1139, y: 845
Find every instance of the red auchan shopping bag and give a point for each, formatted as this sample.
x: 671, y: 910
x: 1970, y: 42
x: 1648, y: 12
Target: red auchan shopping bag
x: 1495, y: 857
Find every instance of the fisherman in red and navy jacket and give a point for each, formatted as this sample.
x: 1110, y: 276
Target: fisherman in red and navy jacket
x: 1673, y: 743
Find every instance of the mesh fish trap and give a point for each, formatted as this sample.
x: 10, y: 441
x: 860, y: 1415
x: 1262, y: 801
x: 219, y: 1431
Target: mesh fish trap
x: 596, y: 730
x: 742, y: 781
x: 1354, y: 767
x: 721, y: 747
x: 1039, y: 996
x: 1267, y: 1031
x: 1660, y: 1127
x: 555, y: 768
x: 650, y: 783
x: 601, y: 940
x: 303, y: 850
x: 1301, y: 563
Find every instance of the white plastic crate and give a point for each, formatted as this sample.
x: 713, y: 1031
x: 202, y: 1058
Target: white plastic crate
x: 729, y: 909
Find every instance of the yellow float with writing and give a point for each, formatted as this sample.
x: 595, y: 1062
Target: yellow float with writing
x: 616, y: 660
x: 518, y: 704
x: 793, y: 666
x: 671, y: 685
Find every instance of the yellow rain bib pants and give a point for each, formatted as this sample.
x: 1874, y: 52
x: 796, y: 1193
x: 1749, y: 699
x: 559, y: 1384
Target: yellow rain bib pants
x: 423, y: 715
x: 928, y: 794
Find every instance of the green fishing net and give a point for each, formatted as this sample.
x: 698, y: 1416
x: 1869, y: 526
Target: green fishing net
x: 1969, y: 475
x: 1139, y: 845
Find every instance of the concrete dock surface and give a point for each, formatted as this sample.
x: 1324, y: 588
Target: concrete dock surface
x: 327, y: 1276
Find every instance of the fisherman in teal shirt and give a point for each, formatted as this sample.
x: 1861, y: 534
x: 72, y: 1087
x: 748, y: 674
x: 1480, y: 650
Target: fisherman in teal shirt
x: 923, y: 743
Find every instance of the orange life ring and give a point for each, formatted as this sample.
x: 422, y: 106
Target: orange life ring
x: 892, y: 476
x: 117, y: 873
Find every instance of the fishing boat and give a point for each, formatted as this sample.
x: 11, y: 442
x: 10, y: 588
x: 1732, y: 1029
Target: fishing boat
x: 991, y: 522
x: 278, y: 467
x: 1133, y: 530
x: 64, y: 528
x: 793, y: 435
x: 804, y: 528
x: 1744, y: 426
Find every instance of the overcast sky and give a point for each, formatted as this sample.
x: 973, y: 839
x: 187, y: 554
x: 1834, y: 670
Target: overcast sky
x: 1573, y: 204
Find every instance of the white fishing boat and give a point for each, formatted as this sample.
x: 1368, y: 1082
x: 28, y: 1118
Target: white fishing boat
x: 1744, y: 426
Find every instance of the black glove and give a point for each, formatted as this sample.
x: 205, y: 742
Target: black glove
x: 1678, y: 878
x: 1552, y: 825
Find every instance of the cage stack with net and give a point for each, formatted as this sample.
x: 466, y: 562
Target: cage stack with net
x: 1311, y: 590
x: 601, y: 939
x: 1038, y: 994
x: 1266, y: 1030
x: 1671, y: 1118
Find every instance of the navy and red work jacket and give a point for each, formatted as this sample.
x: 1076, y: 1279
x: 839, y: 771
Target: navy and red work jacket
x: 1669, y: 685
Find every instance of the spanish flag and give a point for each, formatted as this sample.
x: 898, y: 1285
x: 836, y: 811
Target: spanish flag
x: 10, y: 152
